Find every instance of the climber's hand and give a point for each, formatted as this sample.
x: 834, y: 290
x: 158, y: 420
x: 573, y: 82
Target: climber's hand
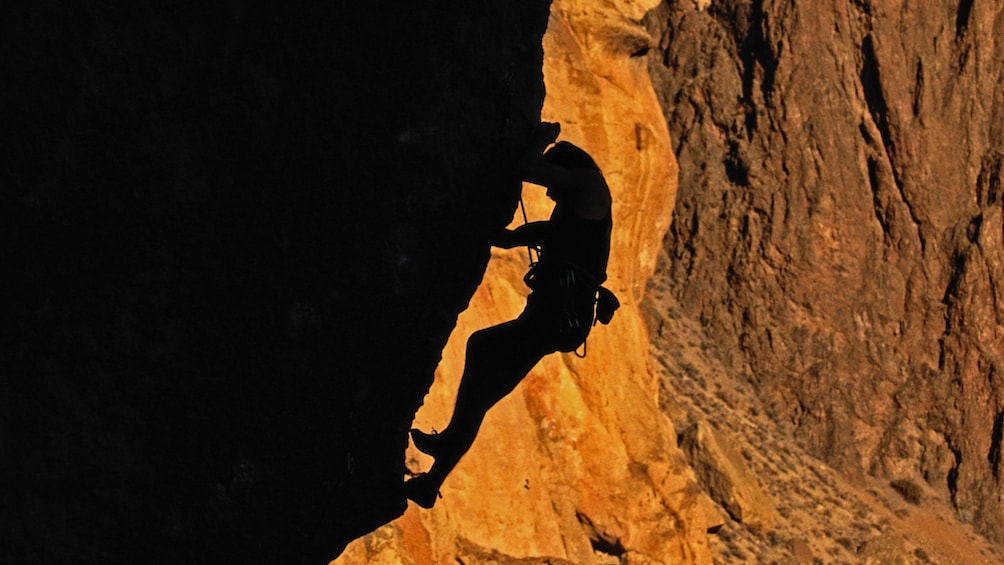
x: 547, y: 132
x: 504, y: 239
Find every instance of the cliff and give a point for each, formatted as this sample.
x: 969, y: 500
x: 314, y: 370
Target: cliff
x: 246, y: 245
x: 837, y: 232
x: 235, y: 241
x: 579, y: 464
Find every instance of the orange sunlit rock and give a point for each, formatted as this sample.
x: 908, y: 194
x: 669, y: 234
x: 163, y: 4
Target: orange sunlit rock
x: 581, y: 449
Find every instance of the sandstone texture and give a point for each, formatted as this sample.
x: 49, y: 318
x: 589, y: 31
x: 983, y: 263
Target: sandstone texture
x: 837, y: 232
x: 579, y: 464
x: 723, y: 472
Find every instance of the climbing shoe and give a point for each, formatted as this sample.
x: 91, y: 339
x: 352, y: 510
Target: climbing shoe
x: 422, y: 490
x: 431, y: 444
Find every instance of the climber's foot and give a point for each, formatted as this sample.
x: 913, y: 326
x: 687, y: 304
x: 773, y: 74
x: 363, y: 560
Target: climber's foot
x: 431, y: 444
x: 422, y: 490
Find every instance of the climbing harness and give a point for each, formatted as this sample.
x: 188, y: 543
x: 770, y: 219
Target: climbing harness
x: 605, y: 303
x: 530, y: 249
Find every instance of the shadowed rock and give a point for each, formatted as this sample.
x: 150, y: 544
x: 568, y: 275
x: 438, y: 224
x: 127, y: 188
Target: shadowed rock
x: 722, y: 471
x: 237, y: 239
x: 838, y: 226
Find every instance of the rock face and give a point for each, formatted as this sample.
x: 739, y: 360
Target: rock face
x: 235, y: 242
x: 838, y: 224
x: 578, y: 464
x: 722, y: 471
x: 885, y: 550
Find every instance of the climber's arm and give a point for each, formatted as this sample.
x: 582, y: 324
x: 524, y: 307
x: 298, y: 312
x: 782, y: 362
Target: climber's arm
x: 533, y: 168
x: 531, y: 234
x: 555, y: 177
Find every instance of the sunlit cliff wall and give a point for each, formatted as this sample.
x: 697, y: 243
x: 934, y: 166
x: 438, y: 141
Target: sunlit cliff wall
x: 579, y: 458
x: 838, y: 228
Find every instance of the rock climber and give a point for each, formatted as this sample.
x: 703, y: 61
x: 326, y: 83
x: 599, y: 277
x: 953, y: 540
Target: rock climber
x: 573, y: 248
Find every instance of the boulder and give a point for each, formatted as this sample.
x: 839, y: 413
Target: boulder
x: 886, y: 549
x: 723, y: 472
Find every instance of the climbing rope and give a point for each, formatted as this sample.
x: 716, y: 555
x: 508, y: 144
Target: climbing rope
x: 530, y: 249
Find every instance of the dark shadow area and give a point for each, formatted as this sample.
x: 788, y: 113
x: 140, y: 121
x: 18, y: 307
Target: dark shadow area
x: 236, y: 239
x: 962, y: 17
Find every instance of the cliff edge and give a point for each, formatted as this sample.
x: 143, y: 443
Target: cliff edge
x: 579, y: 464
x: 235, y: 240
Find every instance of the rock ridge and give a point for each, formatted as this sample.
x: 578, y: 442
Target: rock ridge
x: 837, y: 229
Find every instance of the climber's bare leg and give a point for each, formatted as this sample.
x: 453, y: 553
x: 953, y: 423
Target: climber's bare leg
x: 498, y: 358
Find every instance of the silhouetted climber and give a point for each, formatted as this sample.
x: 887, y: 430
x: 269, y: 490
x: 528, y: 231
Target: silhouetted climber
x: 573, y: 247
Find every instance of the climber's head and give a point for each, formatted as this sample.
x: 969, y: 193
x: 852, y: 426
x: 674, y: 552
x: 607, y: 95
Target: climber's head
x: 569, y: 156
